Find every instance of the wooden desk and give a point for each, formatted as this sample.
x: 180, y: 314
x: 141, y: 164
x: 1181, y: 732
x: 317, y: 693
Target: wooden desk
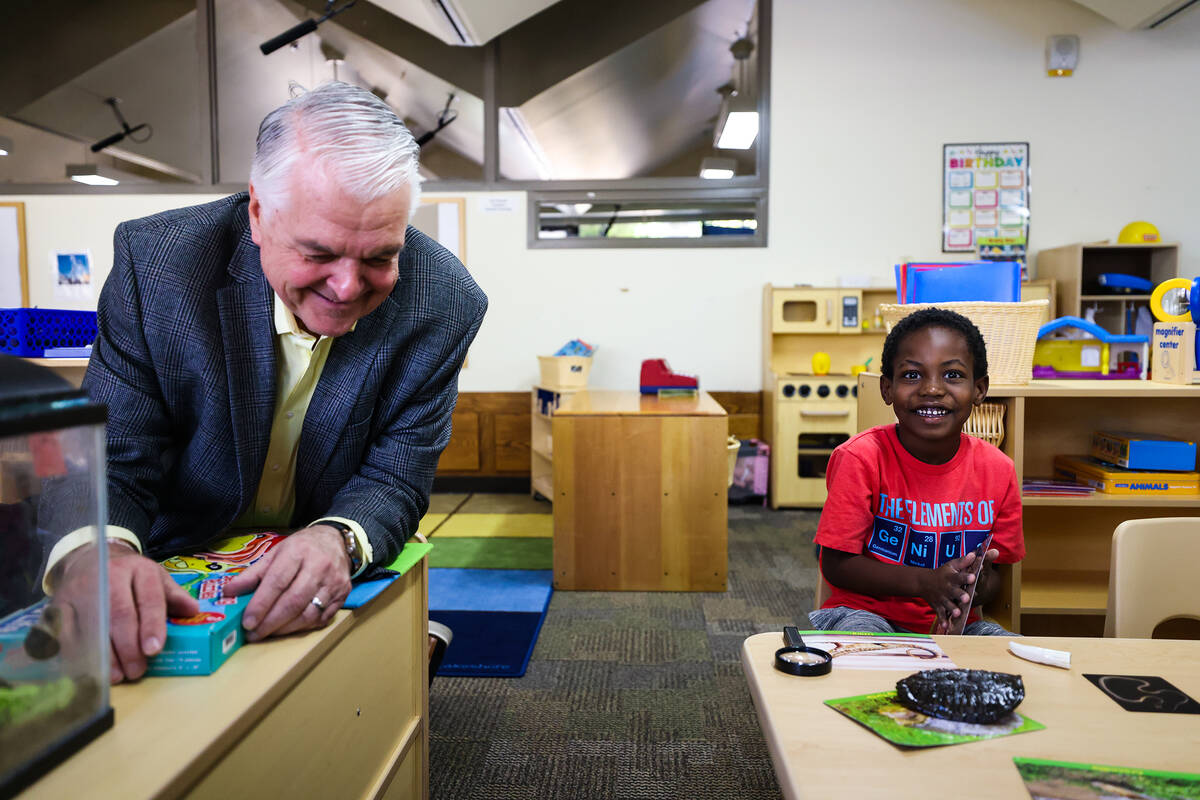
x: 817, y: 752
x: 640, y: 489
x: 72, y: 369
x: 339, y: 712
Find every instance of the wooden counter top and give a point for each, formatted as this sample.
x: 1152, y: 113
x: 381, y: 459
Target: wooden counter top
x: 618, y: 403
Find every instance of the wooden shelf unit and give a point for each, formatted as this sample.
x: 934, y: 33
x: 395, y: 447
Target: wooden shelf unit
x: 541, y: 437
x: 1068, y: 540
x: 1076, y: 269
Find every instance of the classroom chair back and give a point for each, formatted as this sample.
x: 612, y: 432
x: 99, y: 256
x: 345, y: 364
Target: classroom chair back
x: 1153, y: 561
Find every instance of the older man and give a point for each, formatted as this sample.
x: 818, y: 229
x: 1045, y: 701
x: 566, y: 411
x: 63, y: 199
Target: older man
x: 283, y: 359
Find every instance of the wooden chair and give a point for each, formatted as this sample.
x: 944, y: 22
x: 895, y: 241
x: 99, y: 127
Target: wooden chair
x: 1152, y: 567
x: 823, y: 589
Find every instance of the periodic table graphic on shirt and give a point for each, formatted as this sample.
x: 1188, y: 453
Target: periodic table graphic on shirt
x: 985, y: 199
x: 901, y: 543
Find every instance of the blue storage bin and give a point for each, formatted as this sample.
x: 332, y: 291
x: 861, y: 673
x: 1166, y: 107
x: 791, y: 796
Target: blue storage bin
x: 973, y: 281
x: 30, y: 332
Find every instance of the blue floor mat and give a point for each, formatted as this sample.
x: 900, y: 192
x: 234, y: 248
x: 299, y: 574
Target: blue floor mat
x: 495, y: 616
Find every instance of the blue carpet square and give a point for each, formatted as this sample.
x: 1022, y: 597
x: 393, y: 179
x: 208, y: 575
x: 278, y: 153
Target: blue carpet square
x: 494, y: 644
x: 489, y: 589
x: 495, y: 615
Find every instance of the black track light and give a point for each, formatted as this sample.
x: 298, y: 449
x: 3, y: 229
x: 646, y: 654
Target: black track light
x: 109, y: 141
x: 301, y: 29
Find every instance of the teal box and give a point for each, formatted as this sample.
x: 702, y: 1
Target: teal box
x: 1144, y: 451
x: 201, y: 644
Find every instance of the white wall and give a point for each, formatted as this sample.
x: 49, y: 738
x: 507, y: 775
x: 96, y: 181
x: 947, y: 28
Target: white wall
x: 865, y: 93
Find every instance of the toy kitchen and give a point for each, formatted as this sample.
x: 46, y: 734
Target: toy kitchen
x: 815, y: 342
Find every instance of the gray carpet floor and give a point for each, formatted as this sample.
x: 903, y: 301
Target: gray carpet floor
x: 636, y: 695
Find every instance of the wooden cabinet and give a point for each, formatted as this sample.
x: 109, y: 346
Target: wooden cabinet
x: 1076, y: 271
x: 1061, y: 588
x: 640, y: 493
x: 342, y: 711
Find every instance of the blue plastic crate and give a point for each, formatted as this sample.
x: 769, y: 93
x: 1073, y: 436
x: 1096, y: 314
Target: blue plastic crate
x: 30, y: 332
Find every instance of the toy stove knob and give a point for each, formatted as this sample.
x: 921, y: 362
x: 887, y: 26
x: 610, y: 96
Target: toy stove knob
x: 823, y: 390
x: 842, y: 390
x: 805, y: 390
x: 788, y: 390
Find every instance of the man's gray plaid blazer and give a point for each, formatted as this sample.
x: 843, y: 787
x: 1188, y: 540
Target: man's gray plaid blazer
x: 185, y: 361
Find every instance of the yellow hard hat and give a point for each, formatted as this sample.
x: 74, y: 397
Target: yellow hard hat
x: 1139, y: 232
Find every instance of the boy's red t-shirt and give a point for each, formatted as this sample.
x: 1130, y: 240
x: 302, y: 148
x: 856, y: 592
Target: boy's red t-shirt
x: 886, y: 504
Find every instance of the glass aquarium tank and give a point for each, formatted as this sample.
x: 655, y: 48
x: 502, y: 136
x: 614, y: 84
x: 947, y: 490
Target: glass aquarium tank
x: 54, y: 652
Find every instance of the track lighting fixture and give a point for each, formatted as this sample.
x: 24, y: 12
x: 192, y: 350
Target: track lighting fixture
x: 302, y: 28
x: 125, y: 131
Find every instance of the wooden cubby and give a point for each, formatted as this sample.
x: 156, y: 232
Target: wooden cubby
x: 1076, y: 269
x: 543, y: 402
x: 1061, y: 588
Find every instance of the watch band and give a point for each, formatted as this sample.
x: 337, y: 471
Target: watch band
x: 353, y: 551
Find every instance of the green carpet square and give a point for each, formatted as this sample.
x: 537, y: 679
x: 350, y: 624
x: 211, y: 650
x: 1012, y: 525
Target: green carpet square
x: 492, y: 553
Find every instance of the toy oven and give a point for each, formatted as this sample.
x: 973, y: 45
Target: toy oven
x: 813, y: 415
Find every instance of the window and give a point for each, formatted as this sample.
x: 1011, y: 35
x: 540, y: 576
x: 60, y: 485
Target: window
x: 608, y: 113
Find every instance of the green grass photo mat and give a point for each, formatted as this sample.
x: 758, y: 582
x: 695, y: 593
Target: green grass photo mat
x: 882, y: 714
x: 1054, y: 779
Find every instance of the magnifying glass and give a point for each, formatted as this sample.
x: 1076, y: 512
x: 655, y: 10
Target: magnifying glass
x: 799, y: 659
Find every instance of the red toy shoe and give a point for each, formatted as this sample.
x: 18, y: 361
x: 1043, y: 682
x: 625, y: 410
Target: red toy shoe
x: 657, y: 375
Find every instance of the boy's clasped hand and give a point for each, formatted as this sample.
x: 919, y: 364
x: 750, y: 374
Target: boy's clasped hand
x: 947, y: 589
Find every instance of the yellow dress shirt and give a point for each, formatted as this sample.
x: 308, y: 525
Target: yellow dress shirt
x: 300, y: 358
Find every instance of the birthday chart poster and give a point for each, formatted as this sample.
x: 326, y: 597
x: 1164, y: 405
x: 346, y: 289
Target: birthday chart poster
x: 985, y: 199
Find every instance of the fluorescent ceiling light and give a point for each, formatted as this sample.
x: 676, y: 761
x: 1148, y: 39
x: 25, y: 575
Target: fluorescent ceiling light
x: 6, y: 145
x: 737, y: 125
x: 713, y: 167
x: 91, y: 174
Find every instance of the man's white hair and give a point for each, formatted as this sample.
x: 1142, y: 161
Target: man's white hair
x: 348, y: 130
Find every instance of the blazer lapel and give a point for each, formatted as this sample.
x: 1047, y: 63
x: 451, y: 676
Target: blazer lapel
x: 338, y: 392
x: 249, y: 337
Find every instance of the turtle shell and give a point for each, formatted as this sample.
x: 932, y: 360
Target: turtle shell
x: 961, y: 695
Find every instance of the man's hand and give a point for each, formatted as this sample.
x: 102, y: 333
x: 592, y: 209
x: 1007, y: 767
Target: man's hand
x: 310, y: 563
x: 140, y: 595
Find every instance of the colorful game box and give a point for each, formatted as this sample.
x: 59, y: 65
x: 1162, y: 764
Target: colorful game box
x: 199, y: 645
x: 1144, y: 451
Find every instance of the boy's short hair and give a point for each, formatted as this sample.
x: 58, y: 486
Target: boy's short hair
x: 935, y: 318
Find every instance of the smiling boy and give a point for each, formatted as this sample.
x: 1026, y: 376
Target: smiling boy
x: 908, y: 503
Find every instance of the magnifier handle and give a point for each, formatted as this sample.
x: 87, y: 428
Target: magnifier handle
x: 791, y: 636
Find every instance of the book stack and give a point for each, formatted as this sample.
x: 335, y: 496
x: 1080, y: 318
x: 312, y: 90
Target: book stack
x: 1045, y: 487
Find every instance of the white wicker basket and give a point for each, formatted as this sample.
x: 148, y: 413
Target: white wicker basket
x: 1009, y: 331
x: 986, y: 422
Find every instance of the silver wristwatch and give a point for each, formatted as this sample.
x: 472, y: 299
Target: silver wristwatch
x: 353, y: 550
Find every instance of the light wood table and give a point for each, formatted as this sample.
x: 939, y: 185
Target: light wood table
x: 340, y: 712
x: 640, y: 492
x: 818, y: 752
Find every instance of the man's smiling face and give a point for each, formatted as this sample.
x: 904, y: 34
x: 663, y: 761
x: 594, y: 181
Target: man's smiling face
x: 329, y: 256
